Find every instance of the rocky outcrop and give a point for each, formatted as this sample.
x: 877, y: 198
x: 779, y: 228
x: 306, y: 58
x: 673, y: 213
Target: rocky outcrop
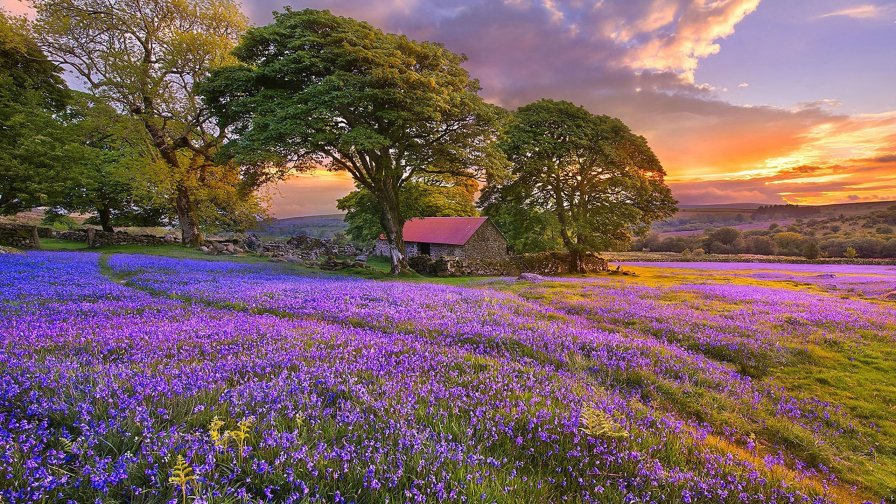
x: 308, y: 249
x: 222, y: 247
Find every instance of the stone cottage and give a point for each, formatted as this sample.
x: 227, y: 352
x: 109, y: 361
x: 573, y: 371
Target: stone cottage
x: 462, y: 237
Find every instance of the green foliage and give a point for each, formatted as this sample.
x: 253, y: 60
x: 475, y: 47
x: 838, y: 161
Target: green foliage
x: 850, y: 253
x: 431, y: 196
x: 597, y: 423
x: 110, y: 171
x: 811, y: 251
x: 316, y: 89
x: 600, y: 180
x: 58, y: 220
x: 32, y: 141
x: 144, y: 57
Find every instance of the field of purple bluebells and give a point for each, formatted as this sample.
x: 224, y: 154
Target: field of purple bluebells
x: 151, y: 379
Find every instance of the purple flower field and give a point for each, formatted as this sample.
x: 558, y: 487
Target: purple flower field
x: 151, y: 379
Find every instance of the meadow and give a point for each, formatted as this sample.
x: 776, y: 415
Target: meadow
x: 138, y: 378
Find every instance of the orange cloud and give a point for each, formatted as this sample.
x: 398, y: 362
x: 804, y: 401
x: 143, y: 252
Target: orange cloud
x: 313, y: 193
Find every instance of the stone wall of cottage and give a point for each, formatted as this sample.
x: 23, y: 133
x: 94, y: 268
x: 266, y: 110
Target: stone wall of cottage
x: 487, y: 243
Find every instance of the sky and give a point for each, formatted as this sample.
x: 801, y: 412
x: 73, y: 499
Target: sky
x: 760, y: 101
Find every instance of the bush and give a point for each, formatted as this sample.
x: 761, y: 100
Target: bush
x: 59, y: 221
x: 811, y: 251
x: 869, y: 247
x: 850, y: 253
x: 761, y: 245
x: 790, y: 243
x: 889, y: 250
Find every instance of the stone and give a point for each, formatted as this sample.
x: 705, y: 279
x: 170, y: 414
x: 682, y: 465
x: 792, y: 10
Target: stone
x: 361, y: 259
x: 19, y: 236
x: 204, y: 249
x: 890, y: 296
x: 252, y: 242
x: 531, y: 277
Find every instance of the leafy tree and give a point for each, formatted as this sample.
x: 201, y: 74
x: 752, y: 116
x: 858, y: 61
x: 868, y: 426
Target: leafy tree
x: 145, y: 57
x: 527, y: 229
x: 430, y: 196
x: 32, y: 140
x: 601, y: 181
x: 108, y: 166
x: 316, y: 89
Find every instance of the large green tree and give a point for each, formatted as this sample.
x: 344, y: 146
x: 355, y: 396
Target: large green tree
x: 108, y: 170
x: 145, y: 57
x: 601, y: 182
x: 314, y: 89
x: 32, y: 139
x: 428, y: 196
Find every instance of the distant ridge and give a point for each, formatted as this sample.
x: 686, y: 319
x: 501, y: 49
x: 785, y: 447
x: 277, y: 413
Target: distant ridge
x: 868, y: 205
x: 317, y: 226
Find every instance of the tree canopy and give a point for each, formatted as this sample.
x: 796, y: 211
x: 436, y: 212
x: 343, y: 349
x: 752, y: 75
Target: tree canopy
x: 600, y: 181
x: 32, y: 140
x: 145, y: 57
x: 314, y: 89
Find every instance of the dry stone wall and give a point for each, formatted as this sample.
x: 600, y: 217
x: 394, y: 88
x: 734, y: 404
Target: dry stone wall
x: 19, y: 236
x: 547, y: 263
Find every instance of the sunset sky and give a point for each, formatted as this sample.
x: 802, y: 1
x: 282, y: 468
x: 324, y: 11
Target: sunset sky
x: 743, y: 100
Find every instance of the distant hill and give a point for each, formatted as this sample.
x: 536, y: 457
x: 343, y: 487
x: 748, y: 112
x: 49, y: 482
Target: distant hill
x: 317, y: 226
x: 694, y: 219
x: 735, y: 206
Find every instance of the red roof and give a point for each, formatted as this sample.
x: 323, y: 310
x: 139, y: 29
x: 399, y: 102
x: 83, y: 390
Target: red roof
x: 443, y: 230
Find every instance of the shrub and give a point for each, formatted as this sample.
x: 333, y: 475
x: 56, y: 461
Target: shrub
x: 811, y: 251
x: 889, y: 250
x: 850, y: 253
x: 790, y: 243
x: 58, y: 220
x: 761, y: 245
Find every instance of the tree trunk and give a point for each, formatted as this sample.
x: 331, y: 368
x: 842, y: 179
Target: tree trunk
x: 576, y: 263
x: 105, y: 215
x: 393, y: 225
x: 190, y: 235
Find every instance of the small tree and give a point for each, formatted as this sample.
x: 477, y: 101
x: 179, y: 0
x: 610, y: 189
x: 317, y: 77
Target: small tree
x: 314, y: 89
x: 601, y: 182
